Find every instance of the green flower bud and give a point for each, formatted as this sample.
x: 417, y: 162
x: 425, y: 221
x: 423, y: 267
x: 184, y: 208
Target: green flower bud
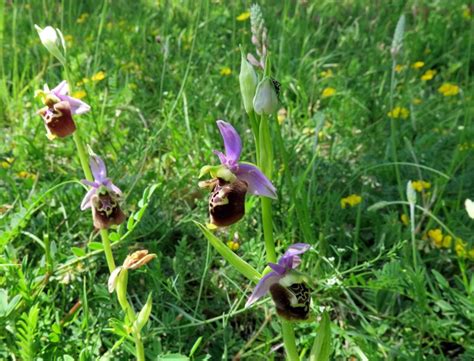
x: 266, y: 99
x: 144, y: 314
x: 53, y: 40
x: 121, y: 287
x: 248, y: 83
x: 411, y: 194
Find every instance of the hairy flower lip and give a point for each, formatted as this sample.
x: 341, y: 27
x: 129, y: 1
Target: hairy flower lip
x: 227, y: 202
x: 58, y: 120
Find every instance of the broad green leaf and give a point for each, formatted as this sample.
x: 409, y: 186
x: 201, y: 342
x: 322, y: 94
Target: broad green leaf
x: 322, y: 344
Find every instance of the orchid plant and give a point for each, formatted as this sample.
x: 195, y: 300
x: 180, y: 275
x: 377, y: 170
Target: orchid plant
x: 232, y: 180
x: 103, y: 197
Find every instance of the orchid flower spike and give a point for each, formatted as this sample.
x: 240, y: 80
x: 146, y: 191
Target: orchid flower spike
x: 103, y: 197
x: 232, y: 180
x: 259, y: 37
x: 287, y: 287
x: 59, y: 109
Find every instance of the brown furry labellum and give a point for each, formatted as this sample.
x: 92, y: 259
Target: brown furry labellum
x: 292, y: 303
x: 106, y: 210
x: 227, y: 202
x: 58, y: 119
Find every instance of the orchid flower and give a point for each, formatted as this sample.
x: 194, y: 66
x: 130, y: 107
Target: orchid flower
x: 133, y: 261
x: 103, y: 197
x: 232, y: 180
x: 59, y: 109
x: 287, y: 287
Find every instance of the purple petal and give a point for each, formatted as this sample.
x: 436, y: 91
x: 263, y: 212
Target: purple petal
x: 258, y: 183
x: 290, y: 259
x: 61, y: 89
x: 232, y: 142
x: 279, y: 269
x: 90, y: 184
x: 77, y: 106
x: 262, y: 287
x: 112, y: 187
x: 297, y: 248
x: 86, y: 202
x: 98, y: 169
x: 221, y: 156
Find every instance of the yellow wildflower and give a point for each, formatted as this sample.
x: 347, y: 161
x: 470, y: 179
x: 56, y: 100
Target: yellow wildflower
x: 351, y: 200
x: 466, y: 12
x: 98, y: 76
x: 24, y: 174
x: 79, y: 94
x: 225, y: 71
x: 447, y: 241
x: 399, y: 68
x: 327, y: 74
x: 82, y: 18
x: 416, y: 101
x: 418, y: 65
x: 69, y: 39
x: 448, y: 89
x: 6, y: 163
x: 399, y: 112
x: 405, y: 219
x: 234, y: 246
x: 281, y: 116
x: 428, y: 75
x: 420, y: 185
x: 82, y: 82
x: 460, y: 248
x: 244, y: 16
x: 328, y: 92
x: 436, y: 236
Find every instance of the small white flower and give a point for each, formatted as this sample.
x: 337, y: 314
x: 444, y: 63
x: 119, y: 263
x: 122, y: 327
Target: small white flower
x: 333, y: 281
x: 469, y: 207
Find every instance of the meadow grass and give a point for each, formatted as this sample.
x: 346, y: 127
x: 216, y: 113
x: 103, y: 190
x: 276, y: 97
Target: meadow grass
x: 154, y: 107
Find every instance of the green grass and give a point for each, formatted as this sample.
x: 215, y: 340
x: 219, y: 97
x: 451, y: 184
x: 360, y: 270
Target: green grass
x: 153, y: 119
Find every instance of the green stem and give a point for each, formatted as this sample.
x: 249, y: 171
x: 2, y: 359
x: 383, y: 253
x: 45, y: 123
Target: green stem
x: 289, y: 340
x: 107, y: 249
x: 412, y: 231
x: 83, y: 159
x: 264, y: 148
x: 139, y: 349
x: 268, y: 229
